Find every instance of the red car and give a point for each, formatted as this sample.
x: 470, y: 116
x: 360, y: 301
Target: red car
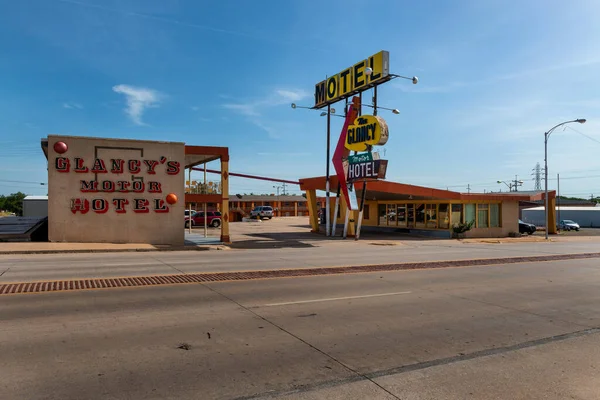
x: 213, y: 219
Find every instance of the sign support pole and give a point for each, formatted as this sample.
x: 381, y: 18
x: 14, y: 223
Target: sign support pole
x: 327, y: 205
x: 360, y: 213
x: 205, y: 208
x: 335, y: 210
x: 190, y: 204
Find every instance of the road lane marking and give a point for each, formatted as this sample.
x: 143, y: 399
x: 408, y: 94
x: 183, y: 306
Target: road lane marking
x: 334, y: 299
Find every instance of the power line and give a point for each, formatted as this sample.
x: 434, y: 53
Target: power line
x: 583, y: 134
x: 25, y: 182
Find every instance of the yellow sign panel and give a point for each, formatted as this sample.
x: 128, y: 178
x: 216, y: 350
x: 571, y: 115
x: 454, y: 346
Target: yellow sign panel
x: 353, y: 80
x: 367, y: 130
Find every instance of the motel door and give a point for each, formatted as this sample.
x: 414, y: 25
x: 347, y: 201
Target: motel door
x: 410, y: 211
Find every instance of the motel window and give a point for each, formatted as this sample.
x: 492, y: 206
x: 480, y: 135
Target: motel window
x: 483, y: 218
x: 494, y: 215
x: 366, y: 211
x: 420, y: 215
x: 457, y: 213
x: 431, y: 215
x: 444, y: 220
x: 470, y: 210
x: 286, y: 204
x: 391, y: 215
x: 401, y: 215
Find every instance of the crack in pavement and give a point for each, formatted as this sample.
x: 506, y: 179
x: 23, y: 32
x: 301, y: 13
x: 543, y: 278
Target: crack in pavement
x: 487, y: 303
x: 168, y: 265
x: 422, y: 365
x: 5, y: 271
x: 357, y: 375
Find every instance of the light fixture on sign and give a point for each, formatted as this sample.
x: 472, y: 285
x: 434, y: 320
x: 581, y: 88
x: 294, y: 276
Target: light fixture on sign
x: 294, y: 106
x: 414, y: 79
x: 393, y: 110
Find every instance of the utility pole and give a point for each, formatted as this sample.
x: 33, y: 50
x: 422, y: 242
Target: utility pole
x: 558, y: 197
x: 469, y: 188
x: 537, y: 177
x: 284, y: 188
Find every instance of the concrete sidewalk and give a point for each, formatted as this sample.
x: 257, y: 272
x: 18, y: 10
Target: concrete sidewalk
x: 281, y: 233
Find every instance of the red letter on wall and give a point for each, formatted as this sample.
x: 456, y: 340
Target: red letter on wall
x: 89, y: 186
x: 79, y: 167
x: 138, y: 186
x: 108, y: 186
x: 173, y: 167
x: 141, y: 206
x: 160, y: 206
x: 99, y: 166
x: 151, y: 164
x: 154, y: 187
x: 123, y: 186
x: 62, y: 164
x: 100, y: 206
x: 134, y: 166
x: 117, y: 165
x: 81, y: 205
x: 120, y: 205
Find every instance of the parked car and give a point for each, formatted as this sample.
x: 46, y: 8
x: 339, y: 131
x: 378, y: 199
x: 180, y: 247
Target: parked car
x: 190, y: 212
x: 568, y: 225
x: 524, y: 227
x: 213, y: 218
x: 262, y: 212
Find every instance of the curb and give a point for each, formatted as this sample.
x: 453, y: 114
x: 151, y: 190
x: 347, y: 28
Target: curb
x: 134, y: 250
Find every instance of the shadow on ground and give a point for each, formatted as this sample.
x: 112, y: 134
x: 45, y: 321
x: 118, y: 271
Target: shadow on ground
x: 278, y: 240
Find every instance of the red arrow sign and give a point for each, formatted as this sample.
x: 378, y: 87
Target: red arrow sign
x: 341, y: 152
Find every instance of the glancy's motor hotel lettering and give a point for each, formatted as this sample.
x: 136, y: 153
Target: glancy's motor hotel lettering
x: 120, y: 176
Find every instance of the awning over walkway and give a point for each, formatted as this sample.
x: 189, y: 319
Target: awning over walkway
x: 386, y: 190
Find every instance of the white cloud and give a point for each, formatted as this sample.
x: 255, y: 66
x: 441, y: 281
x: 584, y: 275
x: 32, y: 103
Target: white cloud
x: 253, y: 108
x: 138, y: 99
x: 249, y: 110
x: 292, y: 95
x: 71, y: 105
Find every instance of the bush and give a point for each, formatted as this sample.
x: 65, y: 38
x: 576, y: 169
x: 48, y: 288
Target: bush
x: 463, y: 227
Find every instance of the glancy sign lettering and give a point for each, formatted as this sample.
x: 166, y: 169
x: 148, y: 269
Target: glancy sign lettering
x: 119, y: 184
x: 353, y: 80
x: 367, y: 130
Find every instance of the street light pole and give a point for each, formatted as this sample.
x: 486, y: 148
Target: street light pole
x: 327, y: 205
x: 546, y: 137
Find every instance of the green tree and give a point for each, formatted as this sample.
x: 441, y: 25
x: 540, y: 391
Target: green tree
x: 12, y: 203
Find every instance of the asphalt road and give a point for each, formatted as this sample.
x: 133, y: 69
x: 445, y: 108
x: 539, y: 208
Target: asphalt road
x: 37, y: 267
x: 519, y: 331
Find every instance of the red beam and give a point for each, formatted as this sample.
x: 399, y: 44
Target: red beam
x: 261, y: 178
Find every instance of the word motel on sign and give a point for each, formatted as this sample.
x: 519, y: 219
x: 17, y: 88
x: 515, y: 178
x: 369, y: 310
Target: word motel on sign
x: 120, y: 205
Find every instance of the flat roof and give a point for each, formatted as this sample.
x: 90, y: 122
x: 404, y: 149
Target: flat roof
x: 36, y: 198
x: 387, y: 190
x: 571, y: 208
x: 194, y: 155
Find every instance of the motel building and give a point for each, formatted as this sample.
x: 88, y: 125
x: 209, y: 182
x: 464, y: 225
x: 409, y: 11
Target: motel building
x: 126, y: 191
x: 398, y: 207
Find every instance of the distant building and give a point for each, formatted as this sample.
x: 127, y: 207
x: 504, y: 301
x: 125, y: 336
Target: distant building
x: 283, y: 206
x: 586, y: 217
x: 35, y: 206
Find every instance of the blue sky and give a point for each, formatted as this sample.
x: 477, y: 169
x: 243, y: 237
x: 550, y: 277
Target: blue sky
x: 494, y: 75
